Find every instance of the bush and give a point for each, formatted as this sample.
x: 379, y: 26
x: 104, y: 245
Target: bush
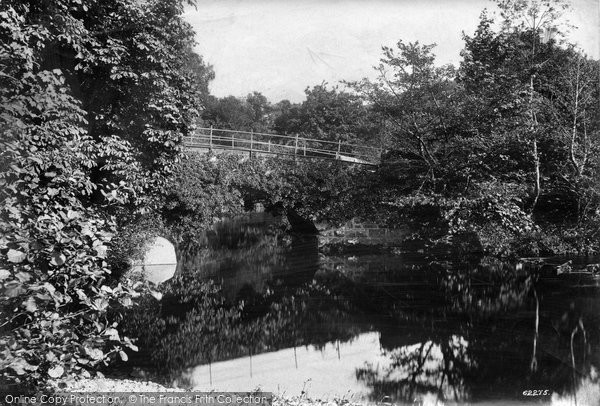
x: 77, y: 157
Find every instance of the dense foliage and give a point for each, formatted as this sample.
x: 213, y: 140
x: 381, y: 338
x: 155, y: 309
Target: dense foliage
x: 94, y: 99
x: 504, y: 146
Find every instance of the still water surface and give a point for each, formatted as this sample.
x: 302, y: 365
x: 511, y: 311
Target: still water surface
x: 367, y: 324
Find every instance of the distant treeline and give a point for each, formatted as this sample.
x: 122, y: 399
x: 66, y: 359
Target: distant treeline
x: 515, y: 126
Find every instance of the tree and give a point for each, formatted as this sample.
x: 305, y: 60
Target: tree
x: 260, y: 109
x: 531, y: 18
x: 417, y: 101
x: 95, y: 98
x: 495, y: 104
x: 335, y: 115
x: 249, y: 114
x: 571, y: 105
x: 517, y: 78
x: 541, y: 16
x: 327, y: 113
x: 515, y: 66
x: 288, y: 117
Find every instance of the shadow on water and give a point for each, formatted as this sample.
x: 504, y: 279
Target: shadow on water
x: 255, y: 307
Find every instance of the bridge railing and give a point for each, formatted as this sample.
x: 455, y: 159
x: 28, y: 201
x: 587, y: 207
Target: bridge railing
x: 256, y: 142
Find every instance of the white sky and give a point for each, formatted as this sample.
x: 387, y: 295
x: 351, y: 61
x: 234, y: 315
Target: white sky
x: 279, y: 47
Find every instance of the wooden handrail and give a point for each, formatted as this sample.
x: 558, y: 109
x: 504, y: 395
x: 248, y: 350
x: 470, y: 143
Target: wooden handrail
x: 290, y: 137
x: 199, y: 141
x: 255, y: 141
x: 282, y: 145
x: 321, y: 152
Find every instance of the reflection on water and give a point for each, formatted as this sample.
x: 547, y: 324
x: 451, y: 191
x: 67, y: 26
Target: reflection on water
x: 425, y: 366
x: 375, y: 326
x: 295, y: 370
x: 246, y: 254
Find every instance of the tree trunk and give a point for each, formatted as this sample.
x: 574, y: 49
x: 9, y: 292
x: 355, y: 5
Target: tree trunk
x: 537, y: 184
x: 536, y: 155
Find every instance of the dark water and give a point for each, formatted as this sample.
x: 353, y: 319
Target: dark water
x: 365, y: 324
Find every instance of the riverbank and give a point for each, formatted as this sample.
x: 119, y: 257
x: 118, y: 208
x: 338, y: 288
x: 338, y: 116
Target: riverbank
x: 109, y: 385
x: 127, y: 385
x: 588, y: 394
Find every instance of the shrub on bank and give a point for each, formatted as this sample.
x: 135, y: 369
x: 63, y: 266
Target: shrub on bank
x: 493, y: 224
x: 94, y: 99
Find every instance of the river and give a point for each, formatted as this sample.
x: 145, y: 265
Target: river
x: 369, y: 324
